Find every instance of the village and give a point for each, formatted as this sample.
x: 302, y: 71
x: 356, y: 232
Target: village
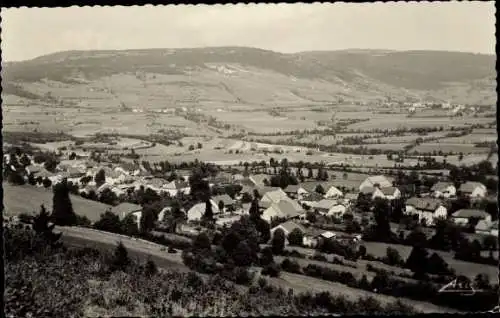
x: 299, y: 205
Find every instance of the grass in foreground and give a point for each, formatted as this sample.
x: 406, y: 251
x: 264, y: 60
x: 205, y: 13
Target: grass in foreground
x: 84, y: 282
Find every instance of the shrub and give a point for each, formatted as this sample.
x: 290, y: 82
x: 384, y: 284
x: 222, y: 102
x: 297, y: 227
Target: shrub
x: 290, y: 266
x: 296, y: 237
x: 393, y: 258
x: 150, y: 268
x: 120, y: 260
x: 319, y: 257
x: 271, y: 269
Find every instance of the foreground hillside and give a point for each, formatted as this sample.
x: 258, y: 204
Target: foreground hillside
x: 247, y: 76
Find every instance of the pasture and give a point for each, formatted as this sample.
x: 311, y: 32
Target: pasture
x: 27, y: 199
x: 393, y: 122
x: 449, y: 147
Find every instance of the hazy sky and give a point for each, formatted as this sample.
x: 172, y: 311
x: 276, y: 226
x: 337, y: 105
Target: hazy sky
x: 454, y: 26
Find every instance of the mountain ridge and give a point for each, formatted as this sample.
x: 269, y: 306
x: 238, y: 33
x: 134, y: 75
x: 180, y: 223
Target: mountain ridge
x: 442, y: 74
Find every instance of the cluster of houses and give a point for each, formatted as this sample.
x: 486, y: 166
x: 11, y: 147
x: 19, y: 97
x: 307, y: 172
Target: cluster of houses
x: 289, y: 204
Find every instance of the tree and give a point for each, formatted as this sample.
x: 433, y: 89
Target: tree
x: 100, y: 178
x: 149, y: 216
x: 150, y: 268
x: 108, y: 197
x: 47, y: 183
x: 72, y: 156
x: 109, y: 222
x: 362, y: 251
x: 62, y: 213
x: 437, y: 265
x: 278, y: 241
x: 296, y: 237
x: 209, y: 214
x: 392, y: 257
x: 42, y: 226
x: 266, y: 256
x: 201, y: 242
x: 31, y: 179
x: 25, y: 161
x: 319, y: 189
x: 129, y: 225
x: 191, y: 148
x: 417, y: 238
x: 15, y: 178
x: 120, y: 259
x: 242, y: 235
x: 221, y: 205
x: 417, y: 261
x: 200, y: 145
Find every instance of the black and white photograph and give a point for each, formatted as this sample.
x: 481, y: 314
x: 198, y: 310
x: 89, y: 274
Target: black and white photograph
x: 250, y: 159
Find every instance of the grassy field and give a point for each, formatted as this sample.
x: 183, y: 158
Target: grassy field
x: 449, y: 147
x: 27, y: 199
x: 402, y: 121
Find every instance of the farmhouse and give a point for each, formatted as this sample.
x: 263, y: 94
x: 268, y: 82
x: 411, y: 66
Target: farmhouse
x: 272, y: 195
x: 323, y: 206
x: 229, y: 203
x: 373, y: 181
x: 311, y: 198
x: 473, y: 189
x: 464, y: 216
x: 388, y: 193
x: 428, y: 209
x: 333, y: 192
x: 198, y: 210
x: 286, y: 209
x: 176, y: 186
x: 32, y: 169
x: 292, y: 191
x: 444, y: 190
x: 124, y: 209
x: 484, y: 227
x: 338, y: 210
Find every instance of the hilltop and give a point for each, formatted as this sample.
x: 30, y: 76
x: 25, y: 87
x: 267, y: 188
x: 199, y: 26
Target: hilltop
x: 249, y: 76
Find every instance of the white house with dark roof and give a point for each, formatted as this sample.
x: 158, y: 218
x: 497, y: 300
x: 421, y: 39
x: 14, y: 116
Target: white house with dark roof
x: 373, y: 181
x: 463, y: 216
x: 429, y: 209
x: 198, y: 210
x: 176, y: 186
x: 443, y: 190
x: 333, y: 192
x: 388, y: 193
x: 271, y: 195
x: 473, y: 189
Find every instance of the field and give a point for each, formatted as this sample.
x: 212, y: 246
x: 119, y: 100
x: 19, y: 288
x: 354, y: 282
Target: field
x: 461, y: 267
x: 27, y: 199
x: 449, y: 147
x: 393, y: 122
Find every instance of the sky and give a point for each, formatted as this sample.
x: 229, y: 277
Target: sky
x: 286, y: 28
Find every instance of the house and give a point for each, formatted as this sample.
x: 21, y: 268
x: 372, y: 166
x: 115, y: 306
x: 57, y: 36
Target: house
x: 464, y: 216
x: 311, y: 198
x: 323, y: 206
x: 258, y: 179
x: 229, y: 203
x: 483, y: 227
x: 338, y: 210
x: 292, y: 191
x: 311, y: 237
x: 155, y: 184
x: 198, y: 210
x: 473, y: 189
x: 443, y: 190
x: 428, y: 209
x: 350, y: 198
x: 286, y: 209
x: 287, y: 228
x: 271, y: 195
x: 125, y: 208
x: 176, y: 186
x: 373, y: 181
x: 333, y: 192
x: 388, y: 193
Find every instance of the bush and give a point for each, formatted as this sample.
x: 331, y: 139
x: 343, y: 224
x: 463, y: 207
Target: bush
x: 296, y: 237
x: 393, y: 258
x: 291, y: 266
x: 319, y: 257
x: 271, y: 269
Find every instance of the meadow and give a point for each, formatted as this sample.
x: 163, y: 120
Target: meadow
x: 27, y: 199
